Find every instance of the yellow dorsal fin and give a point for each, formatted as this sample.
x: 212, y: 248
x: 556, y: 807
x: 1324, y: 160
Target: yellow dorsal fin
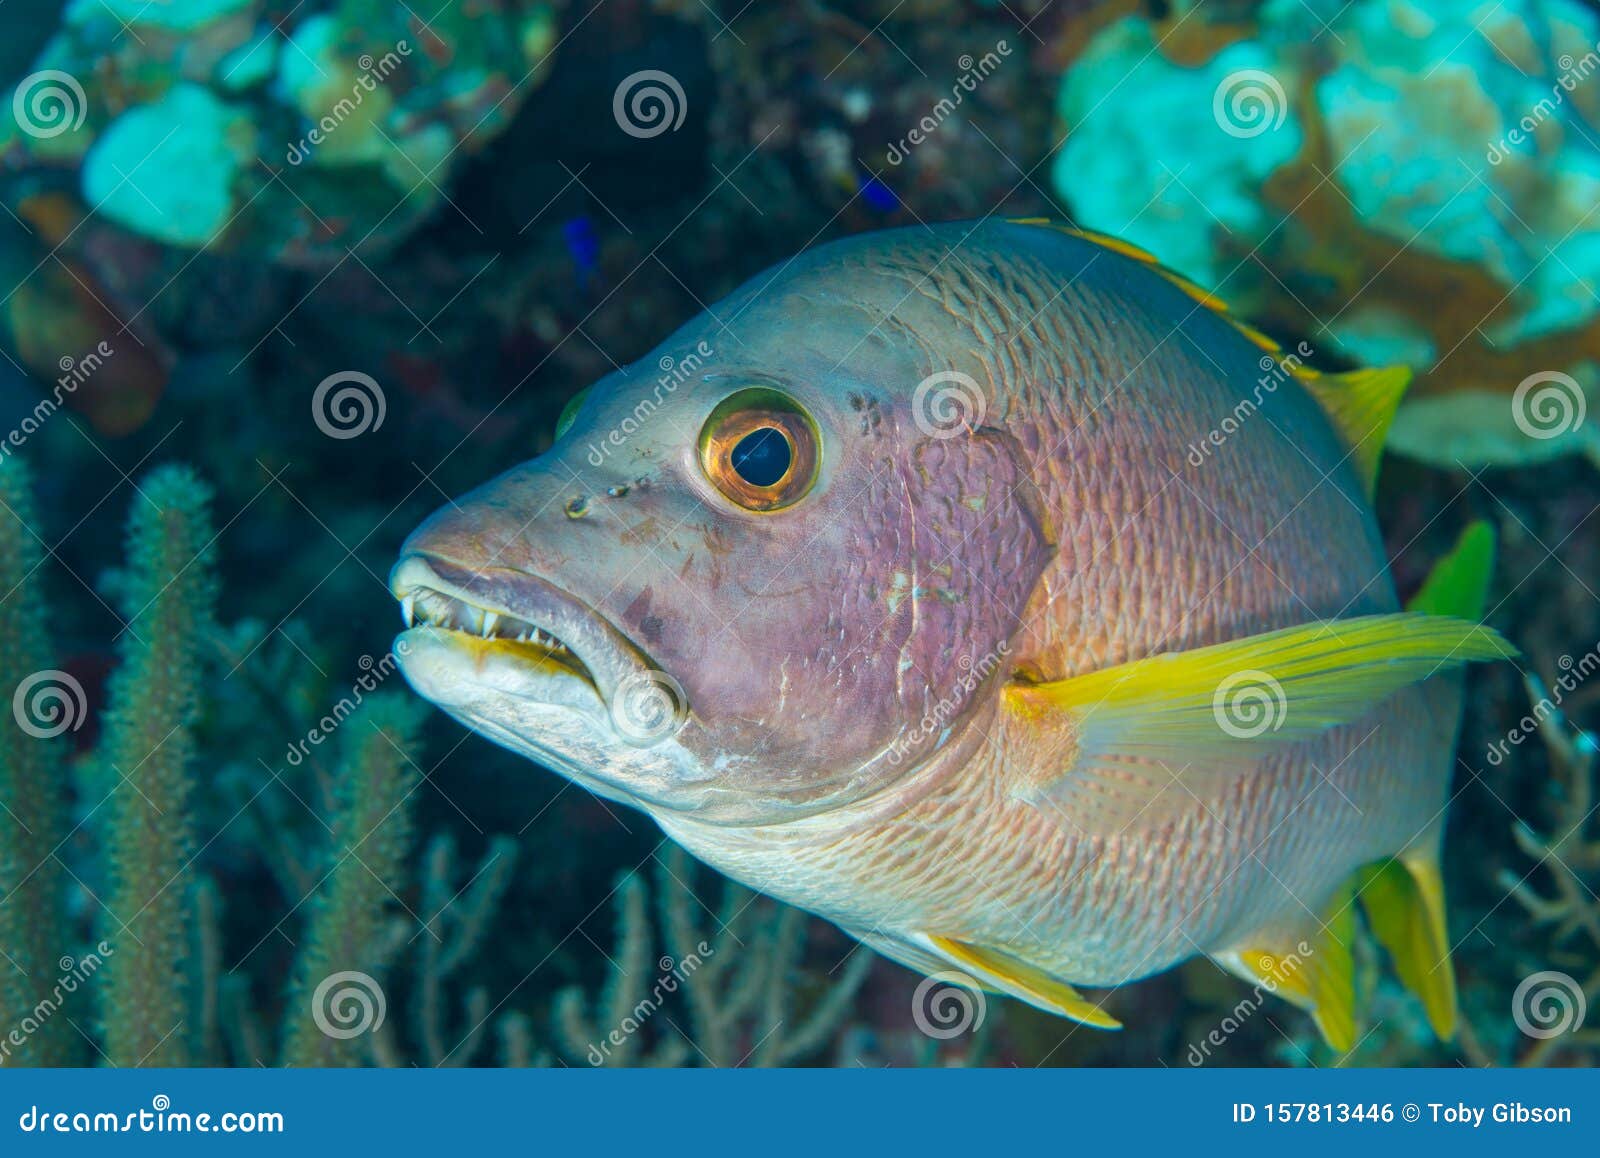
x: 1313, y: 970
x: 1459, y: 583
x: 1361, y: 405
x: 1012, y: 975
x: 1404, y: 902
x: 1143, y: 739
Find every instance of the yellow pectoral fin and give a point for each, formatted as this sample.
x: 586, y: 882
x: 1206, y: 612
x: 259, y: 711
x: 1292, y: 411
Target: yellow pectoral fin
x: 1153, y: 735
x: 1012, y: 975
x: 1404, y: 902
x: 1313, y: 969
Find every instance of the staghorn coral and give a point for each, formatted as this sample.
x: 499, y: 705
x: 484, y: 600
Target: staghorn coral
x: 148, y: 749
x: 738, y: 980
x: 32, y: 803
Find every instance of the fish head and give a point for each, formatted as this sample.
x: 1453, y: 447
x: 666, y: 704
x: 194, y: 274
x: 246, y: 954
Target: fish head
x: 746, y: 586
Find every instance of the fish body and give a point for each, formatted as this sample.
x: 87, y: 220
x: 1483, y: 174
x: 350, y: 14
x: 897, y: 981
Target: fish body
x: 1063, y: 648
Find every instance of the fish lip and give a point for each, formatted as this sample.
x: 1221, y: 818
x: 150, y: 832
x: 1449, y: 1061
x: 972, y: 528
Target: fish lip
x: 610, y: 657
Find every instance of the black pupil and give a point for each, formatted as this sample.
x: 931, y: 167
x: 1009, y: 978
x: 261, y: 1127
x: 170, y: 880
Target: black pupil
x: 762, y: 457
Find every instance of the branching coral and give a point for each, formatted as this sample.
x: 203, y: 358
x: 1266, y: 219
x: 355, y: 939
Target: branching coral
x: 1570, y: 852
x: 148, y: 748
x: 457, y: 921
x: 349, y: 934
x: 739, y: 980
x: 32, y: 810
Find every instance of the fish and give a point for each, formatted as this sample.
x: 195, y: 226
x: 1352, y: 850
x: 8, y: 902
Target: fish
x: 993, y: 592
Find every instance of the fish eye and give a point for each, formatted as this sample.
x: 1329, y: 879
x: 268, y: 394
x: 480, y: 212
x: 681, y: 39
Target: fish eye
x: 760, y: 449
x: 569, y: 412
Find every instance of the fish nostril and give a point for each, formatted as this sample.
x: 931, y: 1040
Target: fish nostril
x: 620, y: 491
x: 578, y: 507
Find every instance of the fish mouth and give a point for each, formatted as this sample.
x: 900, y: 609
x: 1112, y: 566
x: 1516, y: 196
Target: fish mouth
x: 515, y: 616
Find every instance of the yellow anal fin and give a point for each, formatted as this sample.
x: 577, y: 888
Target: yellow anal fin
x: 1146, y: 739
x: 1012, y: 975
x: 1404, y: 903
x: 1361, y: 405
x: 1459, y: 583
x: 1314, y: 971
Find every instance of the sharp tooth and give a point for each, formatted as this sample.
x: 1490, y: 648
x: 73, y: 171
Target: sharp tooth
x: 473, y: 618
x: 408, y: 607
x: 487, y: 622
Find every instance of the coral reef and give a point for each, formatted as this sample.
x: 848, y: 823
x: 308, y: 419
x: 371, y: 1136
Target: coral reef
x: 738, y: 977
x: 293, y: 136
x: 1355, y: 155
x: 549, y: 246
